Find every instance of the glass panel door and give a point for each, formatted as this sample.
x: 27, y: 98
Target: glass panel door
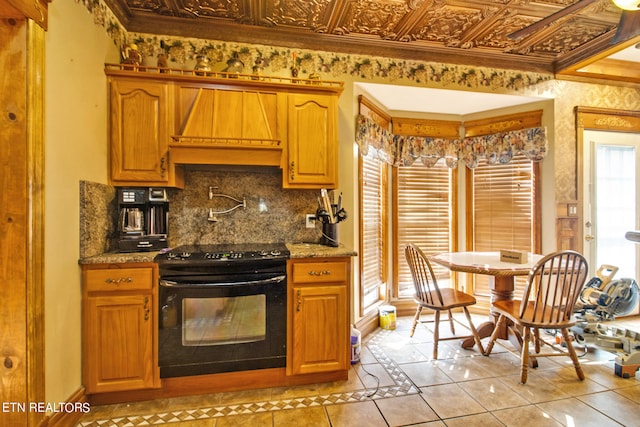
x: 612, y: 200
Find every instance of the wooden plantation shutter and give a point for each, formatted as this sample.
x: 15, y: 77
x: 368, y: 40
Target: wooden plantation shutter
x: 424, y: 215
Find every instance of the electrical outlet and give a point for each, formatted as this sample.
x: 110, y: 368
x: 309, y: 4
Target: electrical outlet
x: 310, y: 221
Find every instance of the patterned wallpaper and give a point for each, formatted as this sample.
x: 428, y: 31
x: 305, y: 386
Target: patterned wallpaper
x: 278, y: 61
x: 568, y: 95
x: 181, y: 52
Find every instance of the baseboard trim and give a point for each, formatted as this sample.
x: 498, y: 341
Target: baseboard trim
x: 68, y: 419
x: 216, y: 383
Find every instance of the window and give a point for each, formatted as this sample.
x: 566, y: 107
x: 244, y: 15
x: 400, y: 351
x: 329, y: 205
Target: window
x: 505, y: 213
x: 501, y: 211
x: 373, y: 268
x: 616, y: 204
x: 373, y: 176
x: 424, y: 215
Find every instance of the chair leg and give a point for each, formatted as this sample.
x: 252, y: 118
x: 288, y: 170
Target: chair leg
x: 572, y: 354
x: 524, y: 357
x: 416, y: 319
x: 436, y: 333
x: 536, y: 340
x: 494, y: 334
x: 453, y: 329
x: 476, y: 337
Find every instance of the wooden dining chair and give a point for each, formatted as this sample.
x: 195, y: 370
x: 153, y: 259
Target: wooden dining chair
x: 553, y: 286
x: 429, y: 295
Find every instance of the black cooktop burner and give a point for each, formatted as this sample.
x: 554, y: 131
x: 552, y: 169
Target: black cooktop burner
x: 225, y: 252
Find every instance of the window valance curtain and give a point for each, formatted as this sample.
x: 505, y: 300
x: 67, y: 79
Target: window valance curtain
x: 402, y: 150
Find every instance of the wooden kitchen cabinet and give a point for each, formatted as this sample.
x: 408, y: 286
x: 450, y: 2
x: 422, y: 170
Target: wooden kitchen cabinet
x: 318, y: 313
x: 119, y: 328
x: 160, y: 122
x: 141, y: 125
x: 37, y: 10
x: 312, y: 146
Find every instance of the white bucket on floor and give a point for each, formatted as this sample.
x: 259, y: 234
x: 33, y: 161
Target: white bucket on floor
x: 356, y: 342
x: 387, y: 316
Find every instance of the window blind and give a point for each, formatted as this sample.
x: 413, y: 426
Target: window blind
x: 505, y: 213
x: 423, y: 210
x: 373, y: 254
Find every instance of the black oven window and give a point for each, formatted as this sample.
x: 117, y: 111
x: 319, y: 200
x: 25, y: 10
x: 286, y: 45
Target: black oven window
x: 223, y: 320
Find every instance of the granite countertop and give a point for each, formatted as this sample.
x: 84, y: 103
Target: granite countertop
x: 119, y: 257
x: 311, y: 250
x: 298, y: 250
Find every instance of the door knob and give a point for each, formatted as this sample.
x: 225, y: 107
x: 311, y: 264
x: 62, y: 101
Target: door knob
x: 589, y: 237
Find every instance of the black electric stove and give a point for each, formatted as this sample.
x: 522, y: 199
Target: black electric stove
x: 223, y: 308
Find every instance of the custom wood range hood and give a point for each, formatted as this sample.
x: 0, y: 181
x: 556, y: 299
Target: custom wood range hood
x: 238, y: 119
x: 229, y: 126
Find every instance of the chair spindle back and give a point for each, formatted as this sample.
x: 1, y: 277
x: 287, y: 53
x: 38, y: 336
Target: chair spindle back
x: 424, y: 280
x: 553, y: 286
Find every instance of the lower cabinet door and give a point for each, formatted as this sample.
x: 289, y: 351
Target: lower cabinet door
x: 118, y: 341
x: 319, y: 320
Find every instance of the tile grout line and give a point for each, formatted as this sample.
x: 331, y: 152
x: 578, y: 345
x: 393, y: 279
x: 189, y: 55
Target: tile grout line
x: 403, y: 386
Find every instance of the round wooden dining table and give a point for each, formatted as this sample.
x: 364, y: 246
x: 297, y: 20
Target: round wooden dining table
x: 502, y: 283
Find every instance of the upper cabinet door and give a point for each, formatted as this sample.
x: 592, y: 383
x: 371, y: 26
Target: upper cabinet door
x: 140, y: 132
x: 312, y: 147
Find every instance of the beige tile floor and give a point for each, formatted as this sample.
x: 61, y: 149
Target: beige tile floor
x: 398, y: 384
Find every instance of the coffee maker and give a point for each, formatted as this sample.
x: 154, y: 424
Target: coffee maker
x: 143, y: 219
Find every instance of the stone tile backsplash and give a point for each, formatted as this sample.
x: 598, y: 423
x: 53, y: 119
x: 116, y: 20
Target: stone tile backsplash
x: 272, y: 214
x: 98, y: 212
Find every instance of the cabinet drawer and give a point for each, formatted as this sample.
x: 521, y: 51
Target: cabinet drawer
x: 119, y: 279
x: 319, y: 272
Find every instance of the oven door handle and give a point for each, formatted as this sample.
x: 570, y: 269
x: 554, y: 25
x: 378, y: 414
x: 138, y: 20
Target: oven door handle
x: 173, y: 284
